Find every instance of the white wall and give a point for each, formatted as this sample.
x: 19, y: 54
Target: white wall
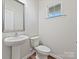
x: 32, y: 6
x: 59, y: 33
x: 31, y: 28
x: 31, y: 23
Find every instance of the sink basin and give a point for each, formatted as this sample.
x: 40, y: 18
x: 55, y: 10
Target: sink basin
x: 15, y: 41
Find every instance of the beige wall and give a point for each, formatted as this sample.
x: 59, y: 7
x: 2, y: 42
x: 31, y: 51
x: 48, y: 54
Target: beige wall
x: 59, y: 33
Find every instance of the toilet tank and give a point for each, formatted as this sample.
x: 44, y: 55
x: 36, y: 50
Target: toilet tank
x: 35, y: 41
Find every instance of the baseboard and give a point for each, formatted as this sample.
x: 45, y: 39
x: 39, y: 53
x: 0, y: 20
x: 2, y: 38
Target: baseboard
x: 56, y: 56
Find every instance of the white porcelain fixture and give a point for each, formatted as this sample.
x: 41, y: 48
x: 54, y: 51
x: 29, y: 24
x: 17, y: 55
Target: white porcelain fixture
x: 42, y: 50
x: 15, y: 43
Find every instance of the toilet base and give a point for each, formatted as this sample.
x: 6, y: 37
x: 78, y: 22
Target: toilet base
x: 40, y: 56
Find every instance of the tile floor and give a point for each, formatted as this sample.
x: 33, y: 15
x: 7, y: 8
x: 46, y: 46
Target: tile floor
x: 34, y: 56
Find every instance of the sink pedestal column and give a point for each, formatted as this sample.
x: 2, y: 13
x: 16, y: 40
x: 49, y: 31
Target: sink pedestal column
x: 16, y: 52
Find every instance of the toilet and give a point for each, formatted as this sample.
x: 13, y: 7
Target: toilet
x: 42, y: 50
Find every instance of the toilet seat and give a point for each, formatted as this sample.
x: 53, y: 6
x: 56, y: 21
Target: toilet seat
x: 43, y: 48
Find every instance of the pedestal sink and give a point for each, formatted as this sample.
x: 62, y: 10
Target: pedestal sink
x: 15, y: 43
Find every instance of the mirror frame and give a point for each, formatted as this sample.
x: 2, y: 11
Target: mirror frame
x: 3, y: 16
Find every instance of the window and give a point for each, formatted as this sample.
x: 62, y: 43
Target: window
x: 54, y: 11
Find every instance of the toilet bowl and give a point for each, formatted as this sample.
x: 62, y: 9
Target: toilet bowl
x: 42, y: 50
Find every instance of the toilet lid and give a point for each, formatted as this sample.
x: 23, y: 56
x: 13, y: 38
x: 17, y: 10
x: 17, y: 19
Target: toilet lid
x: 43, y: 48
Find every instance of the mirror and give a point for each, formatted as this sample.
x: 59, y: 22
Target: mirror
x: 13, y: 16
